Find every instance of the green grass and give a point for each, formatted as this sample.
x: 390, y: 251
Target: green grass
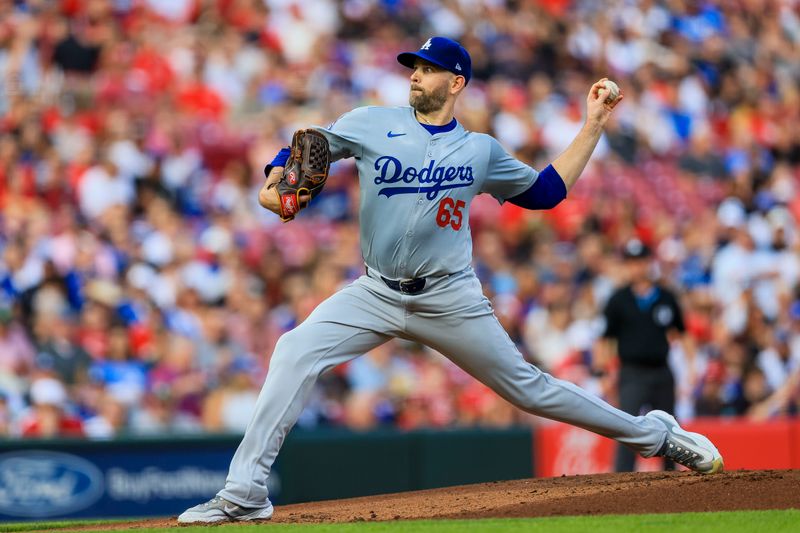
x: 725, y: 522
x: 46, y: 526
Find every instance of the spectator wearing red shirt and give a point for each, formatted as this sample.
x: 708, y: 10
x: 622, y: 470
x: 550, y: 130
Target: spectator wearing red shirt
x: 47, y: 417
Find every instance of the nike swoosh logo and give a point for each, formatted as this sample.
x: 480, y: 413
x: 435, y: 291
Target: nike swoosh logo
x: 228, y: 510
x: 391, y: 135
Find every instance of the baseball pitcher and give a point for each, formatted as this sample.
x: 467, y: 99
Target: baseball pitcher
x: 418, y: 170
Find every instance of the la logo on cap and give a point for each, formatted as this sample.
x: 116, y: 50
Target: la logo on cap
x: 427, y: 45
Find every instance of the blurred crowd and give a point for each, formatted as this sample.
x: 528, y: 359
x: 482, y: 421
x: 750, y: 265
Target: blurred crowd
x: 142, y: 288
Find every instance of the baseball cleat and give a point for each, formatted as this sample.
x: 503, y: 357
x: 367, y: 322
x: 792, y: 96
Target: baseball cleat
x: 692, y: 450
x: 221, y: 510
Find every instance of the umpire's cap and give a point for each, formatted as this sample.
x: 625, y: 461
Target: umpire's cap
x: 444, y: 52
x: 635, y: 249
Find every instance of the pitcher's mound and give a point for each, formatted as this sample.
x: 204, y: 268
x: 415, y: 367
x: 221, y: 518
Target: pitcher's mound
x: 643, y: 492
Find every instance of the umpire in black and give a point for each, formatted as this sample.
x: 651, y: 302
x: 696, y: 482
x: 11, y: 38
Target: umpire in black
x: 640, y: 317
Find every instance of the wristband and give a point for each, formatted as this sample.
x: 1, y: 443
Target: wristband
x: 280, y: 159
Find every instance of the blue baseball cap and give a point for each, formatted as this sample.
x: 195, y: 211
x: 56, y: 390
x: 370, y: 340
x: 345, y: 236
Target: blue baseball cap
x: 443, y: 52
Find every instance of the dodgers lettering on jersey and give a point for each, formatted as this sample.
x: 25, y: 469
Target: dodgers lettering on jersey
x: 416, y: 188
x: 440, y: 178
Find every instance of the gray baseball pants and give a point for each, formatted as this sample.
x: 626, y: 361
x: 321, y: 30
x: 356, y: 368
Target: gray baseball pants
x: 451, y: 316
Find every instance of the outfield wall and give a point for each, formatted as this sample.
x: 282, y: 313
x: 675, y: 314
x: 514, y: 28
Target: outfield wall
x: 161, y: 477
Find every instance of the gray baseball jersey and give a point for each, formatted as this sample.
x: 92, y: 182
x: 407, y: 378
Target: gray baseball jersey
x: 416, y: 188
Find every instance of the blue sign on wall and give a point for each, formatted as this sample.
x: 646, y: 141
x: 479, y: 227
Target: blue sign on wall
x: 43, y: 484
x: 111, y: 479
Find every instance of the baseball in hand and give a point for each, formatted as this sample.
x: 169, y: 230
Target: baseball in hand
x: 613, y: 91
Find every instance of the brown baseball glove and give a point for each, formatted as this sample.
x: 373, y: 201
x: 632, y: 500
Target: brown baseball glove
x: 305, y: 172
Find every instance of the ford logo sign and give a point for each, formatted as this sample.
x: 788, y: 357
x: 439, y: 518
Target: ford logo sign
x: 41, y: 484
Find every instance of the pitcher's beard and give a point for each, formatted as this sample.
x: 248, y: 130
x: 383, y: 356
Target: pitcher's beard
x: 425, y: 102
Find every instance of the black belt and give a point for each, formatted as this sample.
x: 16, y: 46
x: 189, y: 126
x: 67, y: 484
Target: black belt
x: 405, y: 286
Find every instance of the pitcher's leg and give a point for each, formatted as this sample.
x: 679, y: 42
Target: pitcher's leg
x: 480, y: 345
x: 346, y: 325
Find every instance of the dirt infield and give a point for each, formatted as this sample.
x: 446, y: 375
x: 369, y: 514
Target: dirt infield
x: 653, y: 492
